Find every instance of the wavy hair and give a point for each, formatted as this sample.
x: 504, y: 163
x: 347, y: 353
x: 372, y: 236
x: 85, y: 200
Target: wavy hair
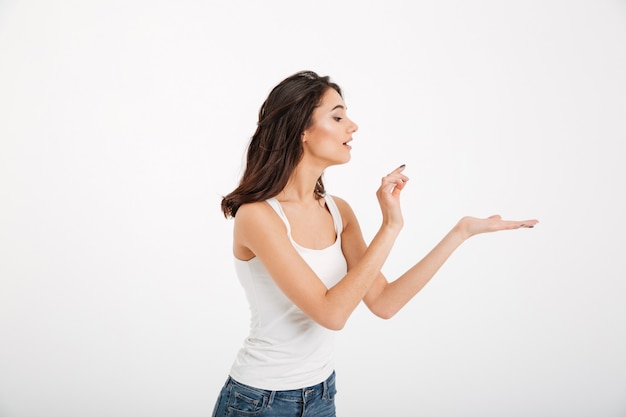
x: 276, y: 147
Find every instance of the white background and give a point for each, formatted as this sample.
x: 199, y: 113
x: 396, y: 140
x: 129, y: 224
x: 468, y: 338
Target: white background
x: 122, y: 123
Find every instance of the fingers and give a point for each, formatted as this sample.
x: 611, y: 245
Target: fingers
x: 525, y: 224
x: 394, y: 180
x: 513, y: 224
x: 399, y: 169
x: 528, y: 224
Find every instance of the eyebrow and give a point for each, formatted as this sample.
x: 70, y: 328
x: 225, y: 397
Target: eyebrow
x: 338, y: 106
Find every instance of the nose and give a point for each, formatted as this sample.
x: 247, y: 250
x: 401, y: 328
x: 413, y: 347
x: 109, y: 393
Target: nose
x: 353, y: 126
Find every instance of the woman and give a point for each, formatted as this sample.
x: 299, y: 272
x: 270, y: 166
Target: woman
x: 301, y: 257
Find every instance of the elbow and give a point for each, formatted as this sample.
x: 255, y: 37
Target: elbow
x: 333, y: 323
x: 385, y: 315
x: 382, y: 312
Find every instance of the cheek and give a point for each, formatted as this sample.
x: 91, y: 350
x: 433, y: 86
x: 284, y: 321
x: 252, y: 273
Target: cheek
x: 325, y: 131
x: 323, y: 134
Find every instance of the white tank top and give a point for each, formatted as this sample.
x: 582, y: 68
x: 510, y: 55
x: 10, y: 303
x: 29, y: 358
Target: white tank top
x: 286, y: 349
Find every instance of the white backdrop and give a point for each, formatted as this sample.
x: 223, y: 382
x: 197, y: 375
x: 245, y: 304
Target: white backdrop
x: 123, y: 122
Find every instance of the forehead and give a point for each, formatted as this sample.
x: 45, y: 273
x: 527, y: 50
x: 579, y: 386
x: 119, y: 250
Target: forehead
x: 330, y: 100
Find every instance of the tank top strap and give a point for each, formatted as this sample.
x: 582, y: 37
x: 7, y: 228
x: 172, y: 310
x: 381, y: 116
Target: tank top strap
x: 275, y: 204
x: 335, y: 213
x: 330, y: 203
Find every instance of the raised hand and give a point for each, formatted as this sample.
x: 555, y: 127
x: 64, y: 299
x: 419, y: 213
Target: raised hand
x: 470, y: 226
x: 388, y: 195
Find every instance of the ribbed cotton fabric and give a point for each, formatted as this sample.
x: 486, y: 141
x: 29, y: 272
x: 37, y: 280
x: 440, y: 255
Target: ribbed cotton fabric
x: 285, y: 348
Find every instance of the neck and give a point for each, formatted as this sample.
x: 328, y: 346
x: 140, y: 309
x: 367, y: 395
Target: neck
x: 301, y: 185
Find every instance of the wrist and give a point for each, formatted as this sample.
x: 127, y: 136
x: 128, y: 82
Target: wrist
x: 460, y: 231
x: 392, y: 227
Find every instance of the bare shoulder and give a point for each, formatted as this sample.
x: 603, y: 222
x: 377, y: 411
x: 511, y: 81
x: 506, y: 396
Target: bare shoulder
x: 254, y: 215
x: 252, y: 209
x: 256, y: 225
x: 347, y: 214
x: 339, y: 200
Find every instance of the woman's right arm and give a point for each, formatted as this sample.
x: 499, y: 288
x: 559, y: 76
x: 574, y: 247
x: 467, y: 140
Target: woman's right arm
x: 261, y: 232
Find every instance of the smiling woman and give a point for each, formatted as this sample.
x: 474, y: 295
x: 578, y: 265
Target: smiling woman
x: 301, y: 257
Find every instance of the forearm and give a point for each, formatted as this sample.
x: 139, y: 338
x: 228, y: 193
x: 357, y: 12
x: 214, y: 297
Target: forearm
x: 344, y: 297
x: 396, y: 294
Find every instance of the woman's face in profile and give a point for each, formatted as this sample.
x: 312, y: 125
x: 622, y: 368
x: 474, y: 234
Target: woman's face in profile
x: 327, y: 139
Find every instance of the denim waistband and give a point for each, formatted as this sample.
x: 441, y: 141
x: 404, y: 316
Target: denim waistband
x: 300, y: 394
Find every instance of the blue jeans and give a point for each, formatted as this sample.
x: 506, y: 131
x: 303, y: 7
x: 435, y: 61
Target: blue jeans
x: 237, y: 399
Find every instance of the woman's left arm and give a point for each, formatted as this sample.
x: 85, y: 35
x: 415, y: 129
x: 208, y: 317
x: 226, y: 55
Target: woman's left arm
x: 385, y: 298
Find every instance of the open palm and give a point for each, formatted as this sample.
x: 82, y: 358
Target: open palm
x: 471, y: 226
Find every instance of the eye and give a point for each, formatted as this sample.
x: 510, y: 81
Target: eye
x: 337, y: 118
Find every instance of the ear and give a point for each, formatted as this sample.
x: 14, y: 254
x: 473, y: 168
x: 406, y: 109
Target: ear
x: 303, y: 137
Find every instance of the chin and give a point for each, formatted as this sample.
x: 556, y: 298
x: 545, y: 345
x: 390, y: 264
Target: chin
x: 339, y: 159
x: 345, y: 160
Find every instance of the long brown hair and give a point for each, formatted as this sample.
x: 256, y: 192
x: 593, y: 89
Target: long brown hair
x: 276, y: 147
